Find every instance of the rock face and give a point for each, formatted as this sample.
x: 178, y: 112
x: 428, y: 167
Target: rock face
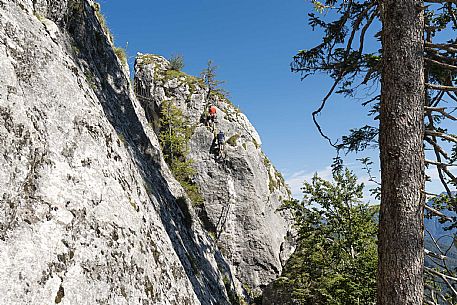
x: 242, y: 191
x: 89, y: 212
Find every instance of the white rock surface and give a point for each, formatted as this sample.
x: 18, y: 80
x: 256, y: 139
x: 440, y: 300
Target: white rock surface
x: 87, y: 205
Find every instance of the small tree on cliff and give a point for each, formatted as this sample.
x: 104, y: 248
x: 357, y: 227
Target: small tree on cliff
x: 177, y: 62
x: 174, y: 136
x: 208, y: 75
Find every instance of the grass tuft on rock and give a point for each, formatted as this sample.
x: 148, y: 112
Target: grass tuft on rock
x: 122, y: 55
x: 233, y: 139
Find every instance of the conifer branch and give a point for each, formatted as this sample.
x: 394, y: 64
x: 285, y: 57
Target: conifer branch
x: 441, y: 110
x: 437, y: 213
x: 440, y: 87
x: 441, y: 64
x: 441, y: 1
x: 440, y: 135
x: 450, y: 47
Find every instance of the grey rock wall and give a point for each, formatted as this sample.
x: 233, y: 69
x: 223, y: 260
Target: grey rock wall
x: 242, y: 191
x: 88, y: 209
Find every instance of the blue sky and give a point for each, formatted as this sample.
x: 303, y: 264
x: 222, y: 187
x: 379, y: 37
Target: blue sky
x: 252, y: 42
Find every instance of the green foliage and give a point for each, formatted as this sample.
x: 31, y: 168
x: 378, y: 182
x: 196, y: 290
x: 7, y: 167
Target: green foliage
x: 75, y: 49
x: 121, y: 54
x: 174, y: 135
x: 336, y: 260
x: 190, y: 187
x: 76, y: 8
x: 280, y: 178
x: 96, y: 6
x: 133, y: 204
x: 174, y: 132
x: 276, y: 180
x: 39, y: 16
x: 342, y: 55
x: 148, y: 59
x: 233, y: 139
x: 318, y: 6
x: 343, y: 60
x: 255, y: 143
x: 172, y: 74
x: 208, y: 75
x: 191, y: 81
x: 102, y: 20
x: 212, y: 235
x: 222, y: 95
x: 359, y: 139
x: 177, y: 62
x: 90, y: 78
x: 254, y: 296
x: 272, y: 184
x: 234, y: 298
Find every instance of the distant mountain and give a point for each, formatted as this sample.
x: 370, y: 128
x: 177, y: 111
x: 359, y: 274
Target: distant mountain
x: 444, y: 238
x: 438, y: 229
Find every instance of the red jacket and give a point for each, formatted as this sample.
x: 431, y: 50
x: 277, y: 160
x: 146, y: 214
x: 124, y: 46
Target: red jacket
x: 212, y: 110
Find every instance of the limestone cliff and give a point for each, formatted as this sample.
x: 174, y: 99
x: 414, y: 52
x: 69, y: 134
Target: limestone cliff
x: 242, y: 191
x: 89, y: 212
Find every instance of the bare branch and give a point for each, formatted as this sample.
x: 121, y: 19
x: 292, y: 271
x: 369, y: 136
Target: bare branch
x: 441, y: 135
x: 452, y: 48
x: 452, y: 95
x: 434, y: 272
x: 449, y: 174
x: 355, y: 27
x: 430, y: 194
x: 435, y: 53
x: 316, y: 112
x: 434, y: 240
x: 445, y: 278
x: 438, y: 152
x: 441, y: 1
x: 451, y: 13
x: 439, y: 164
x: 435, y: 255
x: 435, y: 101
x: 441, y: 110
x: 441, y: 64
x: 439, y: 294
x: 440, y: 87
x: 366, y: 27
x: 438, y: 148
x: 437, y: 213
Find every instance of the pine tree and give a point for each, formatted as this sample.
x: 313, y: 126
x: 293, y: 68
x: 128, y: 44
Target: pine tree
x: 401, y: 230
x: 414, y: 81
x: 209, y: 78
x: 175, y: 133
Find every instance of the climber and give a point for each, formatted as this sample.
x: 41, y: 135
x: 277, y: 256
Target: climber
x: 211, y: 116
x: 220, y: 143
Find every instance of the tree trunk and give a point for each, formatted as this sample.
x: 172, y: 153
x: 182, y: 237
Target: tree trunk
x: 401, y: 250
